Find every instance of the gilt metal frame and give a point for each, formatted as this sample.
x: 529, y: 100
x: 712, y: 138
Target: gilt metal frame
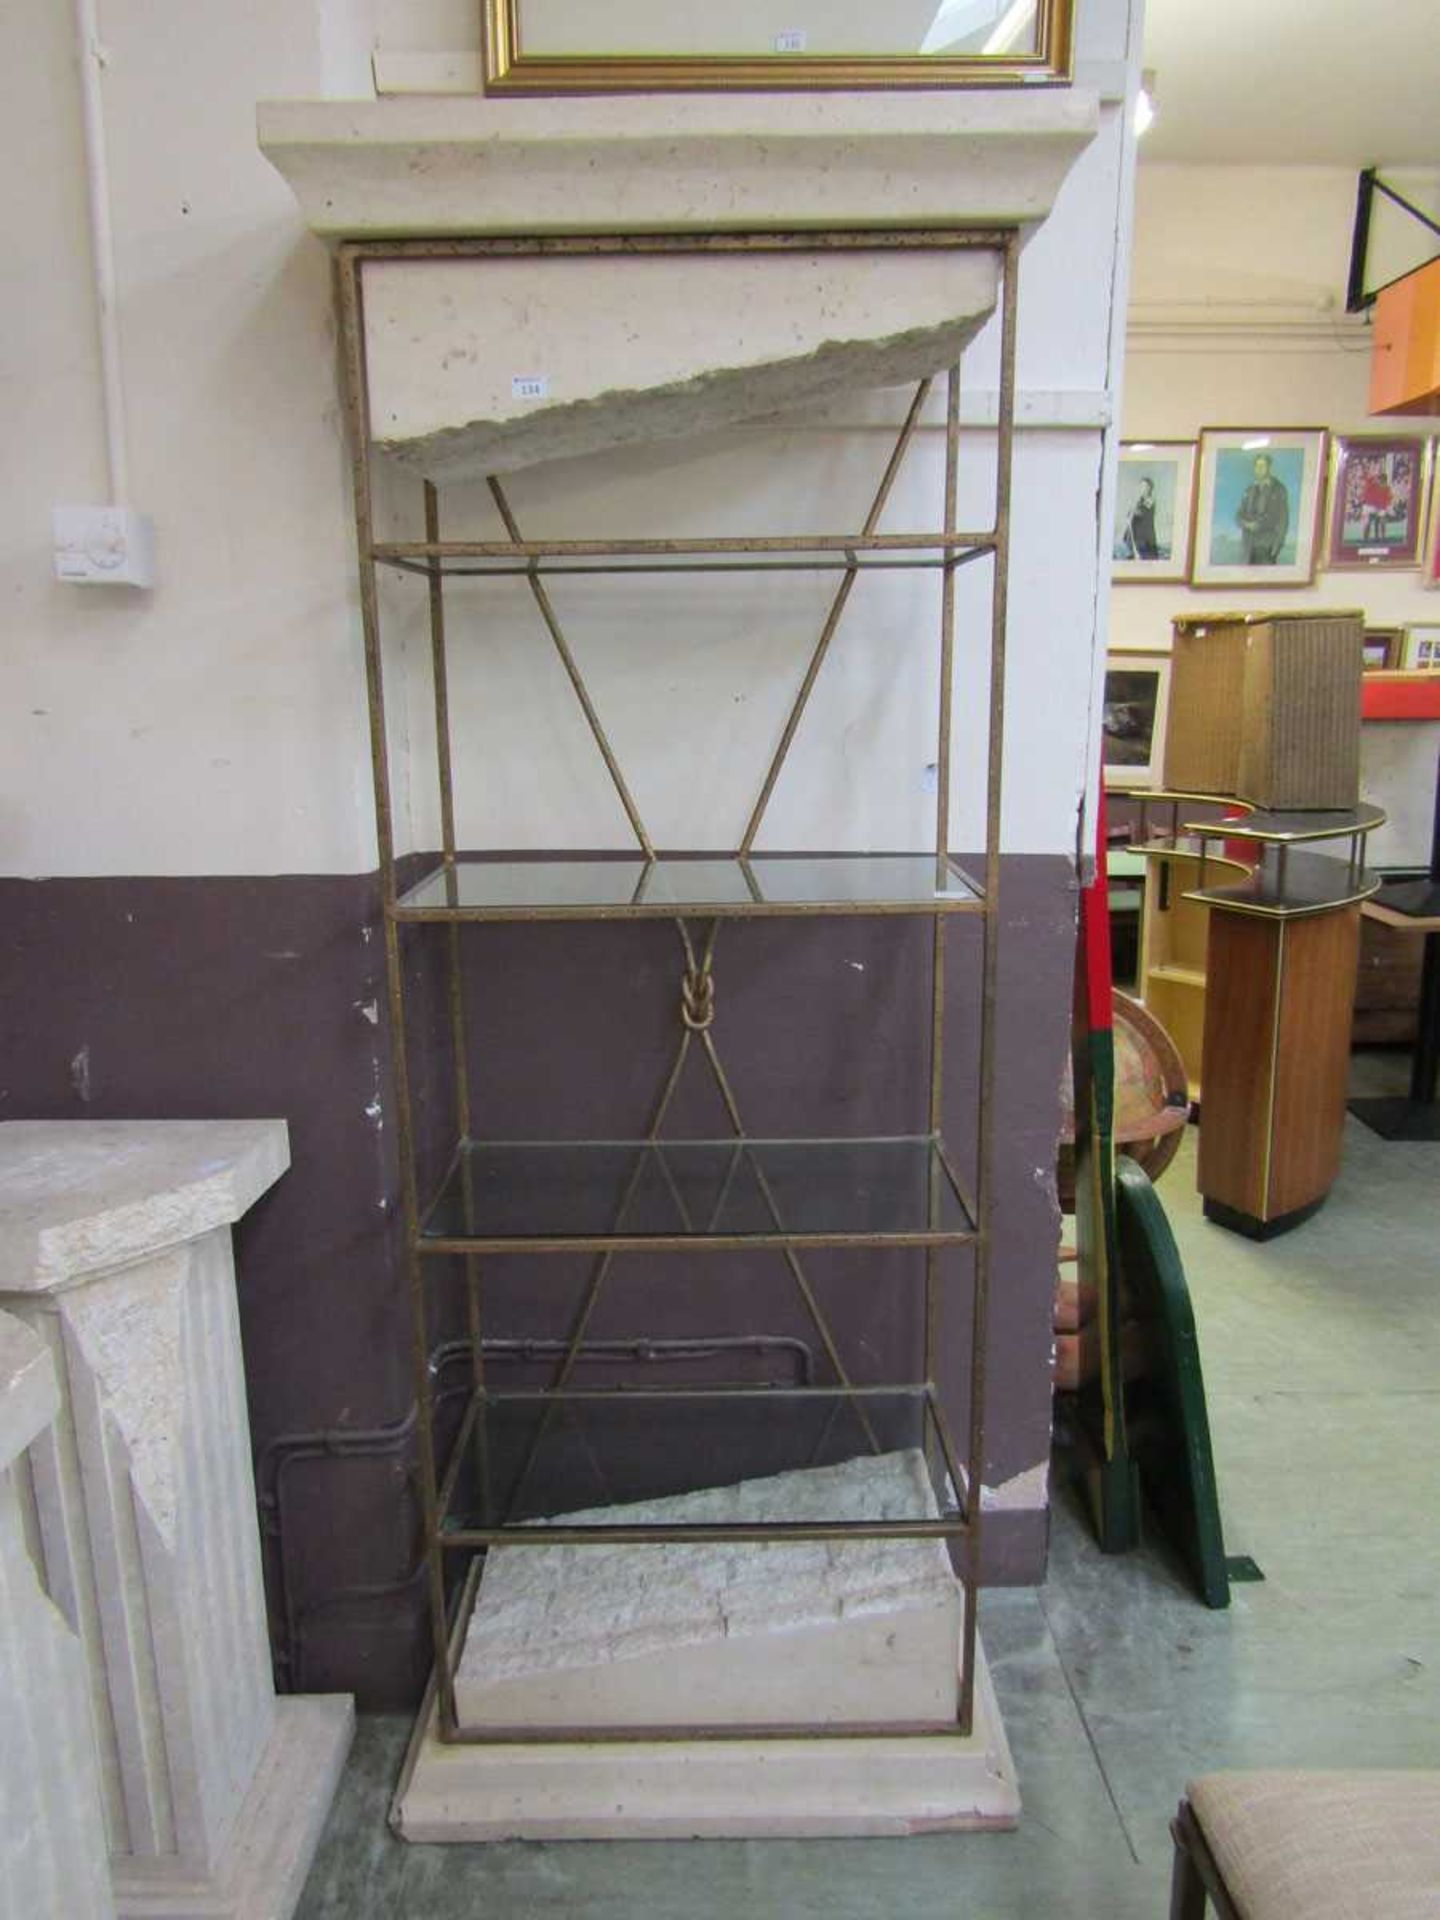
x: 945, y: 550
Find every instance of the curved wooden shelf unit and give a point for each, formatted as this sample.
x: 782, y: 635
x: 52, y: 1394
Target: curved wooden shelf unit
x: 1254, y: 966
x: 1292, y: 827
x: 1308, y: 883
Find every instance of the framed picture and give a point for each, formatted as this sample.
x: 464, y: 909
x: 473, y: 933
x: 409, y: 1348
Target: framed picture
x: 1154, y: 496
x: 1430, y: 558
x: 1421, y: 652
x: 1257, y: 515
x: 1137, y: 694
x: 1383, y: 648
x: 1377, y: 501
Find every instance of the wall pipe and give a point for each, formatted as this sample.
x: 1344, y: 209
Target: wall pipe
x: 102, y: 248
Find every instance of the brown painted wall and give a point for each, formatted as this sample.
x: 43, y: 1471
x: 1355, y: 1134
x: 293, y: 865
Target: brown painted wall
x: 218, y: 997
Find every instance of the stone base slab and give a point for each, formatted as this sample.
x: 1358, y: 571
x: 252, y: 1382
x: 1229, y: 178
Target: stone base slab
x: 563, y: 1640
x: 794, y: 1788
x: 276, y: 1833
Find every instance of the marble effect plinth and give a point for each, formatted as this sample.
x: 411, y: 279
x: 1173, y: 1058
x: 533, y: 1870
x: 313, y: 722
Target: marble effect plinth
x: 52, y: 1834
x: 115, y: 1250
x: 571, y: 1638
x: 806, y: 1788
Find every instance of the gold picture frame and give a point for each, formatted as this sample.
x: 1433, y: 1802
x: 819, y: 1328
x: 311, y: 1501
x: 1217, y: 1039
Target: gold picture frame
x: 510, y: 69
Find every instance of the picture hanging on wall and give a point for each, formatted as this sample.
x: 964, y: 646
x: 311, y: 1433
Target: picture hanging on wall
x: 1382, y: 648
x: 1257, y: 518
x: 1154, y: 493
x: 1377, y: 501
x: 1422, y: 650
x: 1137, y: 694
x: 1430, y: 571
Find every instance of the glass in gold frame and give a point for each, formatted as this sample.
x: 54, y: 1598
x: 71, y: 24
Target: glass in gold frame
x: 555, y: 46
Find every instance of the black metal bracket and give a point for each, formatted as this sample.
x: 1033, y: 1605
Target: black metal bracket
x: 1357, y: 299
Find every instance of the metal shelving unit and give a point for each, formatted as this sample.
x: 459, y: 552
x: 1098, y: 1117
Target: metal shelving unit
x: 657, y: 1193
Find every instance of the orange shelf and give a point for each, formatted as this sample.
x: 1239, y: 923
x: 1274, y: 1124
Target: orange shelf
x: 1405, y: 356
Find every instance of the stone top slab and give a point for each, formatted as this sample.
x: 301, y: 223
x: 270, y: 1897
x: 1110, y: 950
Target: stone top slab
x: 550, y: 1609
x: 468, y: 164
x: 79, y: 1197
x: 29, y: 1396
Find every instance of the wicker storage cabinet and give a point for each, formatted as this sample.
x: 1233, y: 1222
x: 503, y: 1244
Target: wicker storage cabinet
x: 1267, y: 706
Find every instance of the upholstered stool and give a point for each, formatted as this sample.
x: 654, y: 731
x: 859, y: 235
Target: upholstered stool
x: 1308, y: 1846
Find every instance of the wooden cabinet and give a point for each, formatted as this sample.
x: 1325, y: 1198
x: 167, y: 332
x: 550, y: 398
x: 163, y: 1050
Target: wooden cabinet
x: 1250, y: 953
x: 1387, y: 986
x: 1275, y: 1063
x: 1267, y: 706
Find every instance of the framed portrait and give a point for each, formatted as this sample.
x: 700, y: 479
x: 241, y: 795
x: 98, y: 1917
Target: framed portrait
x: 1430, y: 557
x: 1137, y: 695
x: 1378, y: 489
x: 1383, y: 647
x: 1154, y: 499
x: 1421, y: 652
x: 1257, y: 513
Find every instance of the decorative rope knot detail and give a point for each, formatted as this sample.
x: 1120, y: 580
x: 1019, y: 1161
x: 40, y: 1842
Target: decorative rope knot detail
x: 697, y: 999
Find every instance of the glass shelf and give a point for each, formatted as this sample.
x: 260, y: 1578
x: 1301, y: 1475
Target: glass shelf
x: 579, y: 1454
x: 1303, y: 883
x: 522, y: 1196
x: 802, y: 553
x: 606, y: 887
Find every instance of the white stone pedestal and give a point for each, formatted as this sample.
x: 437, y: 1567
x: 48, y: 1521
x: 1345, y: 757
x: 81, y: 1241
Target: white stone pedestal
x: 565, y: 1639
x: 52, y: 1836
x: 115, y: 1250
x: 720, y: 1789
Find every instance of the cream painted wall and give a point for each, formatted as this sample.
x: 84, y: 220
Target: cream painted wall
x: 1237, y: 319
x: 217, y: 725
x: 694, y: 680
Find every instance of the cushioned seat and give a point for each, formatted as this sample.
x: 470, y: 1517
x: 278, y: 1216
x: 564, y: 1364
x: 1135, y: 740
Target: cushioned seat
x: 1310, y: 1846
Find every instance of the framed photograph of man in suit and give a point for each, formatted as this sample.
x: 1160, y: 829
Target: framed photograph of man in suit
x: 1378, y: 491
x: 1258, y: 500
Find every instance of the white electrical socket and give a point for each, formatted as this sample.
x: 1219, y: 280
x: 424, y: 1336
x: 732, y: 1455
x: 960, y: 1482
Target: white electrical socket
x: 104, y: 546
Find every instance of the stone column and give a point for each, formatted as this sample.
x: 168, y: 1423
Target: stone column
x: 115, y: 1249
x: 52, y: 1836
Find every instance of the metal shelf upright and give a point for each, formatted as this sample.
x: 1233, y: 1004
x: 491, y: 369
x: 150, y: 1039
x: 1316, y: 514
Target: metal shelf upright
x: 738, y: 1192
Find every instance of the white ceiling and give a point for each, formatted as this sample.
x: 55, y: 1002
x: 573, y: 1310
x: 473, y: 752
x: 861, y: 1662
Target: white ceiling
x: 1298, y: 81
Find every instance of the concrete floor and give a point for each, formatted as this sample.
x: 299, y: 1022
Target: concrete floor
x: 1116, y: 1686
